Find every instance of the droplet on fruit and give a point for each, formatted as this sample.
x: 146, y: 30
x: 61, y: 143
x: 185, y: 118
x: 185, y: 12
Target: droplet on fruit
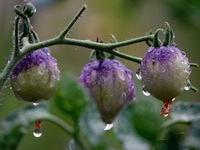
x: 138, y: 74
x: 188, y: 86
x: 108, y: 127
x: 145, y: 92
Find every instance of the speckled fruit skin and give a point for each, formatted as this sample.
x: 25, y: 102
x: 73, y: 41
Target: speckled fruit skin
x: 110, y: 85
x: 34, y: 78
x: 165, y: 72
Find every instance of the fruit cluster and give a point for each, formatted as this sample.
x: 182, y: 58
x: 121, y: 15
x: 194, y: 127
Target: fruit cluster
x: 164, y: 73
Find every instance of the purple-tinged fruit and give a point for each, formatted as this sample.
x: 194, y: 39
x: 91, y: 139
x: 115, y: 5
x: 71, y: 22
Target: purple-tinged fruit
x: 165, y: 73
x: 110, y: 85
x: 35, y: 76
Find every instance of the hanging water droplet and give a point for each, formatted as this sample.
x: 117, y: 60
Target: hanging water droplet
x: 36, y: 104
x: 165, y: 115
x: 108, y: 127
x: 37, y: 132
x: 138, y: 74
x: 145, y: 92
x: 188, y: 86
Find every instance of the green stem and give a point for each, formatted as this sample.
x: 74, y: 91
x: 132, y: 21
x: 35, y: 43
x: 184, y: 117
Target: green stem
x: 60, y: 123
x: 82, y: 43
x: 156, y: 41
x: 36, y: 38
x: 66, y: 128
x: 66, y: 30
x: 16, y: 50
x: 128, y: 57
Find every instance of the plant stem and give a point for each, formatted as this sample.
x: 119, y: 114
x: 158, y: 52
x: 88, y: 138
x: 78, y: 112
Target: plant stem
x: 16, y: 50
x: 82, y: 43
x: 60, y: 123
x: 73, y: 133
x: 66, y: 30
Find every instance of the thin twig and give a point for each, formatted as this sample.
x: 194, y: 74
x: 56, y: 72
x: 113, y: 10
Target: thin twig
x: 66, y: 30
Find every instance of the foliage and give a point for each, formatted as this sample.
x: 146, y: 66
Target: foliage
x: 138, y: 126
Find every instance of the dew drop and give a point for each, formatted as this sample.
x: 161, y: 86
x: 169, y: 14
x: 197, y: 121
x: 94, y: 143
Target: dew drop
x: 183, y: 53
x: 33, y: 80
x: 16, y: 86
x: 21, y: 78
x: 171, y: 49
x: 145, y: 92
x: 37, y: 133
x: 122, y: 98
x: 138, y: 74
x: 45, y: 79
x: 36, y: 104
x: 188, y: 86
x: 53, y: 81
x: 165, y: 115
x: 122, y: 76
x: 108, y: 127
x: 37, y: 130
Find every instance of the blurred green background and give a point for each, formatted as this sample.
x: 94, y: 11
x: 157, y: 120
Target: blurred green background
x: 124, y: 18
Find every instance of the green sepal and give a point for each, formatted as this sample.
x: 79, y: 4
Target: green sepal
x: 156, y: 40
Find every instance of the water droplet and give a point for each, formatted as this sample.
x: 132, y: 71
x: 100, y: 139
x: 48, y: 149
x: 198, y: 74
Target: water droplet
x: 188, y: 85
x: 165, y: 115
x: 16, y: 86
x: 173, y: 99
x: 138, y: 74
x: 183, y: 53
x: 53, y: 81
x: 41, y: 69
x: 37, y: 132
x: 145, y: 92
x: 36, y: 104
x: 33, y: 80
x: 122, y: 98
x: 171, y: 49
x: 121, y: 75
x: 108, y: 127
x: 45, y: 79
x: 21, y: 78
x: 39, y: 58
x: 150, y: 49
x: 10, y: 87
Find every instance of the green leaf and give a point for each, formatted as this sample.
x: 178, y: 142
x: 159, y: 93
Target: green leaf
x: 70, y: 97
x: 72, y: 145
x: 171, y: 142
x: 146, y: 119
x: 15, y: 124
x: 193, y: 138
x: 183, y: 112
x: 91, y: 125
x: 125, y: 133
